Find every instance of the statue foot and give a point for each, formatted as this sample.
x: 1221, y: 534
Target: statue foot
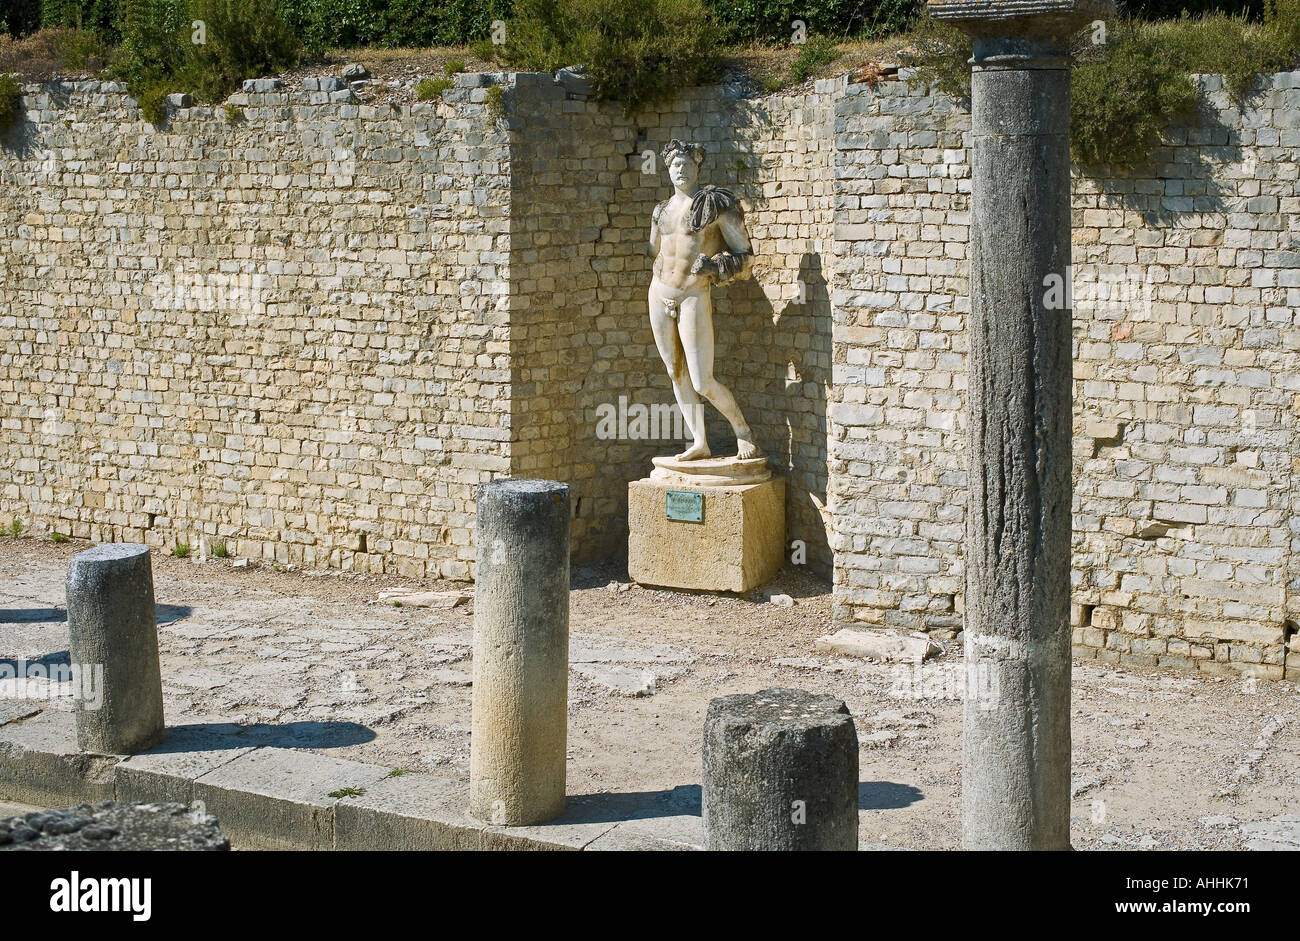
x: 695, y: 452
x: 746, y: 449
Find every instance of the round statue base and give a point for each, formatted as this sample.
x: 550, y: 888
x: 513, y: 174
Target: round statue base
x: 712, y: 471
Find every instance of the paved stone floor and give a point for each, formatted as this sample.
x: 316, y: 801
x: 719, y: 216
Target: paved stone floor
x: 356, y: 667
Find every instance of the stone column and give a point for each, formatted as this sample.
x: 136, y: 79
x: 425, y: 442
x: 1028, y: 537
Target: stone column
x: 113, y: 646
x: 1016, y: 735
x: 521, y: 652
x: 780, y: 773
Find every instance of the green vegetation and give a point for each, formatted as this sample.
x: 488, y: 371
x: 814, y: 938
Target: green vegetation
x: 10, y: 102
x: 1130, y: 90
x: 347, y: 792
x: 204, y: 47
x: 58, y: 537
x: 398, y: 772
x: 495, y: 103
x: 219, y: 549
x: 814, y: 55
x: 431, y: 88
x: 16, y: 527
x: 181, y: 550
x: 772, y: 20
x: 234, y: 113
x: 636, y: 52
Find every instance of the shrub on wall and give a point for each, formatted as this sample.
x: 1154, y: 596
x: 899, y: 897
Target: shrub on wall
x: 1127, y: 91
x: 770, y: 20
x: 50, y: 52
x: 10, y: 102
x: 637, y: 52
x: 163, y: 51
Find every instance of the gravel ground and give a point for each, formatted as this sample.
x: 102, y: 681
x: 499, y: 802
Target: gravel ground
x: 317, y: 660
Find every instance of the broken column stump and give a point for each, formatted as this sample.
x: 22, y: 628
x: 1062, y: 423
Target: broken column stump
x: 521, y: 653
x: 780, y: 773
x: 113, y: 648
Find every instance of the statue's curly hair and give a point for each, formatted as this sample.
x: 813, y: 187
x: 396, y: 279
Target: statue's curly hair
x: 675, y: 147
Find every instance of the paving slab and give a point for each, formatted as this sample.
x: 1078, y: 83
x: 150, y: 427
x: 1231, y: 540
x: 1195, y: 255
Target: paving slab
x: 40, y: 763
x: 408, y: 812
x: 279, y: 798
x: 167, y: 772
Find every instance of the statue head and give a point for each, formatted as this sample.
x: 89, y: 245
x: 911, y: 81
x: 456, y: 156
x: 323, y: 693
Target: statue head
x: 683, y: 162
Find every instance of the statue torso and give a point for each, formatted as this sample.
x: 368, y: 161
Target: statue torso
x: 679, y: 246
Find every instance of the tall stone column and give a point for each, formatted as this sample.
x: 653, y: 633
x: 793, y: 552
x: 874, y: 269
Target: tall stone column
x: 1016, y: 729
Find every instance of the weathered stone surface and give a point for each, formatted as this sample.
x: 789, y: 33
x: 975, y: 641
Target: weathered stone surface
x: 1016, y: 743
x: 780, y: 773
x: 888, y: 646
x: 280, y: 798
x: 113, y: 639
x: 739, y: 545
x: 166, y: 772
x: 41, y: 765
x: 1278, y: 833
x: 521, y: 652
x: 114, y: 826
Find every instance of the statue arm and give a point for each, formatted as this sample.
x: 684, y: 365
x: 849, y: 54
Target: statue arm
x: 733, y: 264
x: 653, y: 248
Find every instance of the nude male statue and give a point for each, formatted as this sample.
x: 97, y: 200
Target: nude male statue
x: 697, y: 239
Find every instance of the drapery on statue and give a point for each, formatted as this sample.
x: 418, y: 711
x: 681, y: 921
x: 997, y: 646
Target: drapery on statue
x: 697, y: 239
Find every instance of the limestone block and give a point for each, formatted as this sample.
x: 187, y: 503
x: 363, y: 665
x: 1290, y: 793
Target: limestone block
x: 738, y: 545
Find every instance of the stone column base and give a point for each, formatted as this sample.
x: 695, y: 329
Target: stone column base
x: 739, y: 544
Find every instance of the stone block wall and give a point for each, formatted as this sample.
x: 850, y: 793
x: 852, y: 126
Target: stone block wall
x: 286, y: 333
x: 1186, y: 288
x: 310, y: 331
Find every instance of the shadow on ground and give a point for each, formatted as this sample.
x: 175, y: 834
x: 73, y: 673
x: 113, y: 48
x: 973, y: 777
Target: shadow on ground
x: 219, y: 736
x: 163, y: 613
x: 886, y: 795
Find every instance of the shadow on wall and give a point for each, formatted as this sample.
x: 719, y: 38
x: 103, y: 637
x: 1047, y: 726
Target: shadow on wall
x: 777, y: 357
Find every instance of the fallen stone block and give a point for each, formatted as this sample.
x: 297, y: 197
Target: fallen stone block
x: 626, y: 681
x: 888, y: 646
x: 423, y: 599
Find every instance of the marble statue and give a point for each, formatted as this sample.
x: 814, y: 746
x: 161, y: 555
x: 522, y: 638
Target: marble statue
x: 697, y: 240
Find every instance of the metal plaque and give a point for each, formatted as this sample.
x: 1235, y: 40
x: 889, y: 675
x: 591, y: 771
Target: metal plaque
x: 684, y: 505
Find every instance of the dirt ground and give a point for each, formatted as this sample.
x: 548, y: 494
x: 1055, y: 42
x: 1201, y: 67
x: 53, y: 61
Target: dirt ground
x: 315, y: 660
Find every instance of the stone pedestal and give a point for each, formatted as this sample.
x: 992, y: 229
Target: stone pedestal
x: 738, y: 543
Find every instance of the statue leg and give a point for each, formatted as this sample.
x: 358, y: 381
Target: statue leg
x: 670, y: 351
x: 697, y: 340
